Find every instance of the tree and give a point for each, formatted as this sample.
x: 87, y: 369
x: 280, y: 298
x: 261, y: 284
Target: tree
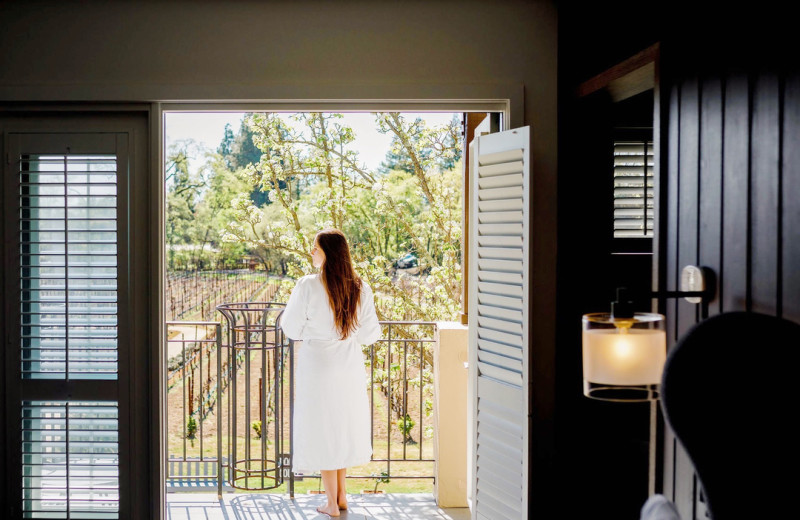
x: 238, y: 151
x: 398, y: 158
x: 313, y: 176
x: 183, y: 190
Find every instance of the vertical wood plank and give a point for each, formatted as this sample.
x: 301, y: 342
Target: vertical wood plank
x: 733, y: 276
x: 688, y: 164
x: 764, y: 175
x: 790, y: 239
x: 671, y: 229
x: 711, y: 179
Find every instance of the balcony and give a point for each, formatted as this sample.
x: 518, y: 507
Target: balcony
x: 417, y: 381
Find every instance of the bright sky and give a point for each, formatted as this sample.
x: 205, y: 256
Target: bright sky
x: 208, y: 128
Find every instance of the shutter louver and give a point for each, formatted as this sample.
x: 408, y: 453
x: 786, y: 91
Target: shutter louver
x: 633, y: 189
x: 68, y: 242
x: 498, y: 323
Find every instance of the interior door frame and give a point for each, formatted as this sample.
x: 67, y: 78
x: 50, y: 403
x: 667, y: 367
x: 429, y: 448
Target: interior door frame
x: 510, y: 109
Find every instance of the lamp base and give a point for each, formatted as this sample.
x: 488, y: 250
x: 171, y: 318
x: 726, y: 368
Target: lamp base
x: 621, y: 393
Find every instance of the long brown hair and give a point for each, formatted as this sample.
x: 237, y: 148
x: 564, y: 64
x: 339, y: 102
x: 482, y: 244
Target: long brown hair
x: 340, y: 280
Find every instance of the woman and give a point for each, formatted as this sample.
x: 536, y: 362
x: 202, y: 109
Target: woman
x: 333, y: 313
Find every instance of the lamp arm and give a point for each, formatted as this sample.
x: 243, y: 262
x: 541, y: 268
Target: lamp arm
x: 698, y: 285
x: 680, y: 294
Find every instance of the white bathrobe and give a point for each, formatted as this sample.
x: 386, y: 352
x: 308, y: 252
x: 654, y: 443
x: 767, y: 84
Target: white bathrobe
x: 331, y: 407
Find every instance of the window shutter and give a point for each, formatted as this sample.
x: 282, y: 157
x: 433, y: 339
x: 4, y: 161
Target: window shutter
x: 633, y: 189
x: 69, y: 395
x: 498, y: 323
x: 68, y: 246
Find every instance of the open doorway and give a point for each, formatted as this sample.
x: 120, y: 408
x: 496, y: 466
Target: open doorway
x: 245, y: 193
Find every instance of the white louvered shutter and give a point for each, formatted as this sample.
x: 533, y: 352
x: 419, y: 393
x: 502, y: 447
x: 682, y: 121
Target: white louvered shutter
x: 633, y: 189
x: 498, y: 323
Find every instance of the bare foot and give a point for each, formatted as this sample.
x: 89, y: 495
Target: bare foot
x: 342, y: 502
x: 330, y: 510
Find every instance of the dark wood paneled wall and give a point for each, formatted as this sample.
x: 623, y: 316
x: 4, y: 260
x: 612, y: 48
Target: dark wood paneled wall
x: 731, y: 155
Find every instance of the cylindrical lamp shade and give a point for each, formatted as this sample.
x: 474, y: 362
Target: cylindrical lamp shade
x: 623, y: 357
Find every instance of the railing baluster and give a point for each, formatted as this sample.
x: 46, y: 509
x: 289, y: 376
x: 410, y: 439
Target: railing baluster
x: 389, y: 403
x: 218, y: 337
x: 421, y: 354
x: 404, y: 413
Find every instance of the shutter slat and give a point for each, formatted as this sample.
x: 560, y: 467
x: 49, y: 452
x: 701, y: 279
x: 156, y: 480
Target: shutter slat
x: 500, y: 181
x: 500, y: 241
x: 500, y: 277
x: 636, y: 149
x: 500, y: 169
x: 506, y: 350
x: 512, y: 266
x: 500, y: 301
x: 500, y: 289
x: 502, y: 253
x: 498, y: 312
x: 637, y: 170
x: 629, y: 223
x: 514, y: 203
x: 632, y: 212
x: 514, y: 229
x: 498, y: 193
x: 500, y: 216
x: 500, y: 157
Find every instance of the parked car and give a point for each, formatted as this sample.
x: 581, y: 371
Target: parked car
x: 408, y: 261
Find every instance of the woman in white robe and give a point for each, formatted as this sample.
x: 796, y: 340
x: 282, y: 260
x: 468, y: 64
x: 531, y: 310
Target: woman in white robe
x: 333, y: 314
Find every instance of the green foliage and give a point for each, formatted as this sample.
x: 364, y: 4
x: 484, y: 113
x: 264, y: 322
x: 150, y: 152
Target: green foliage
x: 198, y: 209
x: 256, y: 425
x: 191, y: 428
x: 405, y: 425
x: 383, y: 478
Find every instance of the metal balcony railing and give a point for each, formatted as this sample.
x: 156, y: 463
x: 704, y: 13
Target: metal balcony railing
x: 400, y: 389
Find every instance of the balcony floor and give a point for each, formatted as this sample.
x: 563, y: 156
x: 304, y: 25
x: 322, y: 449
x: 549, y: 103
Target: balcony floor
x: 390, y: 506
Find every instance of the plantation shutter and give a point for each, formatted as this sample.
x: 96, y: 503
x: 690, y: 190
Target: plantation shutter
x: 498, y: 323
x: 69, y: 362
x: 633, y: 189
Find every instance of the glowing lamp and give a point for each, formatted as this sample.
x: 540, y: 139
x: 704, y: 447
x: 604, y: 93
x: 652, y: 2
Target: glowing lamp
x: 623, y: 357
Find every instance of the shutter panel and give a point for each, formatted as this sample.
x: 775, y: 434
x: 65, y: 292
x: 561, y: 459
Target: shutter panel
x: 68, y: 248
x: 70, y: 459
x: 69, y: 405
x: 633, y: 189
x: 498, y: 323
